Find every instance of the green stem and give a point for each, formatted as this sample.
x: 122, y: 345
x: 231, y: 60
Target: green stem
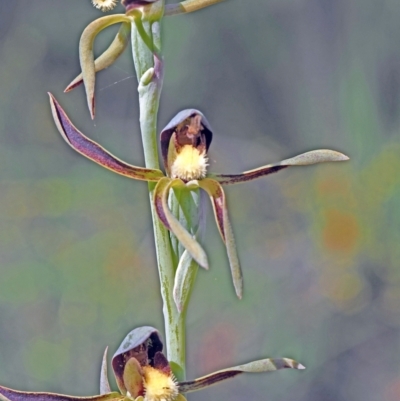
x: 149, y: 73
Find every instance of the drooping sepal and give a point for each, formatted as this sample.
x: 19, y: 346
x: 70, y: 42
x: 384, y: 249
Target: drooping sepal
x: 218, y: 200
x: 94, y: 151
x: 304, y: 159
x: 109, y: 56
x: 260, y: 366
x: 171, y: 223
x: 86, y: 56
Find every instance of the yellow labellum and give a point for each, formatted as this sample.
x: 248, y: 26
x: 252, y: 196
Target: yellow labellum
x: 189, y: 164
x: 158, y: 385
x: 104, y: 5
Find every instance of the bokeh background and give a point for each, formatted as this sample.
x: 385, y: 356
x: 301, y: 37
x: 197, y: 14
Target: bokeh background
x: 319, y: 245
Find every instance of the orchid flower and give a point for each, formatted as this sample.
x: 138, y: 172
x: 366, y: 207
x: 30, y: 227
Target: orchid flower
x: 143, y: 373
x: 184, y: 145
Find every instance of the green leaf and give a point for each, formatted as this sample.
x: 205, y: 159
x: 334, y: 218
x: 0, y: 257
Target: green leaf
x: 109, y: 56
x: 104, y: 383
x: 260, y: 366
x: 312, y: 157
x: 94, y: 151
x: 184, y: 277
x: 218, y: 200
x: 171, y: 223
x: 86, y: 53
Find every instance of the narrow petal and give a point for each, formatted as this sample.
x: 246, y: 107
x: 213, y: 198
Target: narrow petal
x: 263, y: 365
x: 104, y: 383
x: 185, y: 275
x: 109, y: 56
x: 94, y: 151
x: 14, y: 395
x: 313, y: 157
x: 86, y: 53
x: 171, y: 223
x: 217, y: 196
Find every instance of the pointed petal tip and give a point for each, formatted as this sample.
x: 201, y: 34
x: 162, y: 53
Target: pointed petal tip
x: 202, y: 260
x: 339, y: 157
x: 301, y: 367
x: 92, y: 109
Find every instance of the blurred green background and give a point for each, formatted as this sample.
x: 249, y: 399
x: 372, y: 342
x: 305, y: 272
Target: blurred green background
x: 319, y: 245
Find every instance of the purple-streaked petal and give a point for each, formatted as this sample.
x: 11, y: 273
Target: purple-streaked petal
x: 94, y: 151
x: 217, y: 196
x: 305, y: 159
x: 86, y: 53
x: 171, y: 223
x: 109, y: 56
x: 104, y: 383
x: 263, y: 365
x: 14, y: 395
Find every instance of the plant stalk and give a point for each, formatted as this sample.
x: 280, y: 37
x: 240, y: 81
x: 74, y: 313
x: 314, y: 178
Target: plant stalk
x: 149, y: 71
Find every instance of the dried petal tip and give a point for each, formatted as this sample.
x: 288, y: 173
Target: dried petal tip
x: 104, y: 5
x: 301, y: 367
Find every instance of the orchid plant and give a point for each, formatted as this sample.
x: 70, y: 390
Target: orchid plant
x: 143, y: 373
x: 141, y: 370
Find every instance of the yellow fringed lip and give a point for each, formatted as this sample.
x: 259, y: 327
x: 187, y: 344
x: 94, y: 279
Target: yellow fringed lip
x: 159, y: 385
x: 104, y: 5
x: 189, y: 164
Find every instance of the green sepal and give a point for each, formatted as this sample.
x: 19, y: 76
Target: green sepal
x: 218, y: 200
x: 86, y: 53
x: 109, y: 56
x: 171, y: 223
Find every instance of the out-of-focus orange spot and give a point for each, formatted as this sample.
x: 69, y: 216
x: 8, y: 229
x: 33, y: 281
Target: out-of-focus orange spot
x: 347, y: 291
x: 344, y: 288
x: 393, y: 390
x: 333, y: 185
x: 217, y: 348
x: 341, y: 232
